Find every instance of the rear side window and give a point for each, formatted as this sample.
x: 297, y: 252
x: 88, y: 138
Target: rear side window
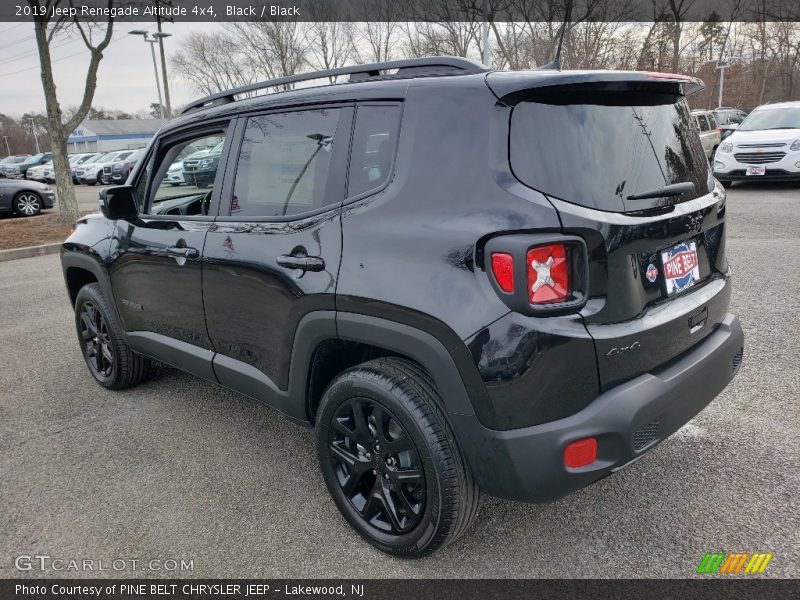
x: 373, y: 149
x: 702, y: 122
x: 597, y: 155
x: 712, y: 123
x: 284, y: 163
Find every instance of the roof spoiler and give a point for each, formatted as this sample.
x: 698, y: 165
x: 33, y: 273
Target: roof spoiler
x: 511, y: 87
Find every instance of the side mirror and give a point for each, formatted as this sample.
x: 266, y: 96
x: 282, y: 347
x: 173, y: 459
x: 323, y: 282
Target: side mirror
x: 119, y: 203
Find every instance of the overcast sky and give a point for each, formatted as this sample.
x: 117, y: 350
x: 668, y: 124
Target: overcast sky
x: 125, y: 80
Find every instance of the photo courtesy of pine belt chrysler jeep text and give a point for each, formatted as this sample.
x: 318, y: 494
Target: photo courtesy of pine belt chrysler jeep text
x: 467, y: 281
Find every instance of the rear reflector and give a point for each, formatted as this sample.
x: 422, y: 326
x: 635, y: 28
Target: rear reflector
x: 580, y: 453
x: 503, y: 270
x: 548, y: 276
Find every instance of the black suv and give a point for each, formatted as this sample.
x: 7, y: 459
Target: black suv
x: 466, y: 281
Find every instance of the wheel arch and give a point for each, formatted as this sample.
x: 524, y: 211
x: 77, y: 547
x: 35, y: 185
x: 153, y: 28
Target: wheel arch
x: 321, y: 351
x: 80, y: 269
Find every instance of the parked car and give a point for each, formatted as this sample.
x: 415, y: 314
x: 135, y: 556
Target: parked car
x: 19, y: 170
x: 36, y: 173
x: 460, y: 297
x: 200, y: 168
x: 83, y: 159
x: 728, y: 119
x: 765, y: 147
x: 118, y: 171
x: 25, y: 198
x: 709, y: 135
x: 90, y: 173
x: 9, y: 162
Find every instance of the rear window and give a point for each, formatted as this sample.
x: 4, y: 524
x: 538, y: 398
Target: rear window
x: 598, y: 154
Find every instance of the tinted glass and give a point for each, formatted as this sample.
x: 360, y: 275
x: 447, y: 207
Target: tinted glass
x: 374, y: 143
x: 702, y: 122
x: 597, y: 155
x: 184, y: 186
x: 284, y: 163
x: 772, y: 118
x: 712, y: 123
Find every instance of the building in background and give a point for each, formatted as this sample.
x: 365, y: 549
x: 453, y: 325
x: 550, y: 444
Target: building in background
x: 113, y: 134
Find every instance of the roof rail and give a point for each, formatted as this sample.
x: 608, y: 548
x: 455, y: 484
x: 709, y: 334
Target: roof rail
x: 415, y: 67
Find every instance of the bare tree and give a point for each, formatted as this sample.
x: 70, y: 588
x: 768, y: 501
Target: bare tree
x: 212, y: 62
x: 46, y: 31
x: 329, y: 37
x: 276, y: 48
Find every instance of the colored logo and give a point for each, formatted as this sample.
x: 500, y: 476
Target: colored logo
x: 681, y: 269
x: 651, y: 273
x: 734, y: 563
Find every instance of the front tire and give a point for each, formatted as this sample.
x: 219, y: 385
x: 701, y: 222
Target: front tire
x: 390, y: 459
x: 27, y: 204
x: 110, y: 360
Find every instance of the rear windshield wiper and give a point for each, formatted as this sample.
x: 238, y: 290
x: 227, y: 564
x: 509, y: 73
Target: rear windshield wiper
x: 675, y: 189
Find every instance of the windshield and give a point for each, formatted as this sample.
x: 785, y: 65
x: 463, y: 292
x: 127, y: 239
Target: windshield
x: 772, y: 118
x: 595, y: 150
x: 33, y: 159
x: 88, y: 158
x: 106, y: 157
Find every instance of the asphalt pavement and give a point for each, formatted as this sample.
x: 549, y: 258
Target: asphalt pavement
x: 179, y: 469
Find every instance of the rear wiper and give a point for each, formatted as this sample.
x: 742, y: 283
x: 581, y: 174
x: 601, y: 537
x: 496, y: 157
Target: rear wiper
x: 675, y: 189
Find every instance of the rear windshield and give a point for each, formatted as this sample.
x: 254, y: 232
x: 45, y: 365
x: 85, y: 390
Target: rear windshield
x: 597, y: 151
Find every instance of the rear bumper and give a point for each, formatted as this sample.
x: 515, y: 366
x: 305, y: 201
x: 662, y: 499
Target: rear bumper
x: 628, y: 420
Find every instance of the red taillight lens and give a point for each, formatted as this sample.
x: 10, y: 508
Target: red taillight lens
x: 503, y: 269
x: 548, y: 275
x: 580, y: 453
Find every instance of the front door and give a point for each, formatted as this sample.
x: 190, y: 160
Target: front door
x: 157, y: 258
x: 273, y: 254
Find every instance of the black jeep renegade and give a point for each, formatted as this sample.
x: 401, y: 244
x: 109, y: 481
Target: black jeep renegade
x: 466, y: 281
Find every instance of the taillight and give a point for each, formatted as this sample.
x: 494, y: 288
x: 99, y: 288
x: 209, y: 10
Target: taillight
x: 503, y: 269
x: 580, y: 453
x: 548, y: 274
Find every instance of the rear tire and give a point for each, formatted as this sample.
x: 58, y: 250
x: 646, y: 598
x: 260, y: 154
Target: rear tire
x: 109, y: 358
x: 726, y: 184
x: 391, y: 461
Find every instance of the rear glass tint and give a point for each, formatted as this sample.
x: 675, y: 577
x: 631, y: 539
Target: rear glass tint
x: 597, y: 155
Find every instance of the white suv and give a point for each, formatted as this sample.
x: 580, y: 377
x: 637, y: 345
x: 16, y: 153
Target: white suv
x: 766, y: 146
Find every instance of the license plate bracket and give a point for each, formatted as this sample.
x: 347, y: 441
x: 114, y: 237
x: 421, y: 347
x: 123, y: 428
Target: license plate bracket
x: 756, y: 170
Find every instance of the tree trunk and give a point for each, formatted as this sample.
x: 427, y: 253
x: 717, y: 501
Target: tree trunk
x: 67, y: 202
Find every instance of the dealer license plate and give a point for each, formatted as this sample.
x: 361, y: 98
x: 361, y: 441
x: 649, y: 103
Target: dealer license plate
x: 752, y: 170
x: 680, y: 267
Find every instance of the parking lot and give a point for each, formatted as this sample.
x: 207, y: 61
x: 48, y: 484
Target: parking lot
x: 181, y: 469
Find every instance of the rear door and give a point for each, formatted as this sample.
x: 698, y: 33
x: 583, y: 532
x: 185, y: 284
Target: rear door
x: 657, y: 268
x: 273, y: 255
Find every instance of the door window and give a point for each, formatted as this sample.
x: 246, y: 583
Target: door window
x: 374, y: 143
x: 702, y: 122
x: 184, y: 177
x: 285, y: 163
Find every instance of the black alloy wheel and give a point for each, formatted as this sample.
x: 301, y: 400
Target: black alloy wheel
x: 97, y: 344
x: 377, y: 466
x: 103, y: 344
x: 390, y: 459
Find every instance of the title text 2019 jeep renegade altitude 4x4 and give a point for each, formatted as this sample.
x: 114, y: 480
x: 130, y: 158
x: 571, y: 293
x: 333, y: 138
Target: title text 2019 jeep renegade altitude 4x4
x: 466, y: 281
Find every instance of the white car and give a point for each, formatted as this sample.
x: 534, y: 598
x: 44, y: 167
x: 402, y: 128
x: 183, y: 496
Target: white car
x: 89, y: 173
x: 175, y: 173
x: 765, y: 147
x: 37, y: 173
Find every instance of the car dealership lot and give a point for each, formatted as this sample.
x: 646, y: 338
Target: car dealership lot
x: 181, y: 469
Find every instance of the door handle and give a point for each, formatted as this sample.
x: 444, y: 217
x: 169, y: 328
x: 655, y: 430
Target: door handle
x: 304, y: 263
x: 182, y: 252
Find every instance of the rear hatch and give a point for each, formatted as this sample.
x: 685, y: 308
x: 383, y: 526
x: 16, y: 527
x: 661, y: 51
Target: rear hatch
x: 619, y: 157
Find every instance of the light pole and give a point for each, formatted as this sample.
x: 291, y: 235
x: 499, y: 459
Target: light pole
x: 152, y: 43
x: 721, y: 65
x: 160, y: 37
x: 35, y: 137
x: 8, y: 148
